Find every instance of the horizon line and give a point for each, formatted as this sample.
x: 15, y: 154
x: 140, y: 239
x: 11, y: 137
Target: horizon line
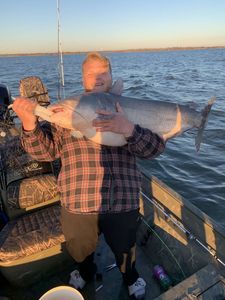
x: 126, y: 50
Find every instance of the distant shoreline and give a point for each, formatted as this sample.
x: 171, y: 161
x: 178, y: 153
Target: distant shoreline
x: 115, y: 51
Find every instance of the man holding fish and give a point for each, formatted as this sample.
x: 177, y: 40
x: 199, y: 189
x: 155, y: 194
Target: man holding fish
x: 99, y: 184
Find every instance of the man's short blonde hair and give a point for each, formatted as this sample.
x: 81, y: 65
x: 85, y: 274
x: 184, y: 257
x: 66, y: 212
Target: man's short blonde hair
x: 99, y: 57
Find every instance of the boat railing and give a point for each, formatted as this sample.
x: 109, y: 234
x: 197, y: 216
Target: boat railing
x: 163, y: 207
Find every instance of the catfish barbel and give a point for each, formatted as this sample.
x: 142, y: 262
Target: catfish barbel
x: 164, y: 118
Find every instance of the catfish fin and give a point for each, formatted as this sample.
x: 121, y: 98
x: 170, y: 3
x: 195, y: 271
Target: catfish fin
x: 205, y: 114
x: 117, y: 87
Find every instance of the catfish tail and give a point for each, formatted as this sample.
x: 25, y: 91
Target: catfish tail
x: 205, y: 114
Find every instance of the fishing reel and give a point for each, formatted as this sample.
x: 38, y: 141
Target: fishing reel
x: 7, y: 116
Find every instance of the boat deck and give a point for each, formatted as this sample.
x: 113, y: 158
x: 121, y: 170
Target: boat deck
x: 109, y: 286
x: 206, y: 284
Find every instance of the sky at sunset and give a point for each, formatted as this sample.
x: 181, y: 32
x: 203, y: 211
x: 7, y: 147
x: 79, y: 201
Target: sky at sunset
x: 30, y: 26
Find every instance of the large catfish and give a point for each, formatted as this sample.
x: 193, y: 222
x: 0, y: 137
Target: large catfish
x: 164, y: 118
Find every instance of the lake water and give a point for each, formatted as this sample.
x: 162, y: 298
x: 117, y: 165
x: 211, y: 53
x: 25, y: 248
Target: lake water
x: 187, y: 77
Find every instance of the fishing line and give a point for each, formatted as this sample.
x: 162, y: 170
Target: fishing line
x: 184, y: 230
x: 61, y: 82
x: 168, y: 249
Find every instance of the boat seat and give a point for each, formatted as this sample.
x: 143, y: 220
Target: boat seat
x: 30, y: 234
x: 32, y: 192
x: 26, y: 184
x: 31, y: 244
x: 33, y: 88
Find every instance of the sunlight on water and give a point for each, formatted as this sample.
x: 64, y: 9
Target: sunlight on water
x: 190, y: 77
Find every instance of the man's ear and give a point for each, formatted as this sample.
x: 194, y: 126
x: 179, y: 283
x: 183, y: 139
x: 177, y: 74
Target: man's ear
x: 117, y: 87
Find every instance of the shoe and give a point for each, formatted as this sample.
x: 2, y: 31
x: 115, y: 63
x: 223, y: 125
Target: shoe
x: 137, y: 289
x: 76, y: 280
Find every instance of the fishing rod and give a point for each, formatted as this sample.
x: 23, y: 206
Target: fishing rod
x: 61, y: 82
x: 183, y: 229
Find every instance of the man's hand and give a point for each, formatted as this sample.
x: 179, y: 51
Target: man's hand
x: 24, y: 108
x: 115, y: 122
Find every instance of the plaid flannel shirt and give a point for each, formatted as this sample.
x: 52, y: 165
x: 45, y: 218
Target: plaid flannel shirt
x: 94, y: 178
